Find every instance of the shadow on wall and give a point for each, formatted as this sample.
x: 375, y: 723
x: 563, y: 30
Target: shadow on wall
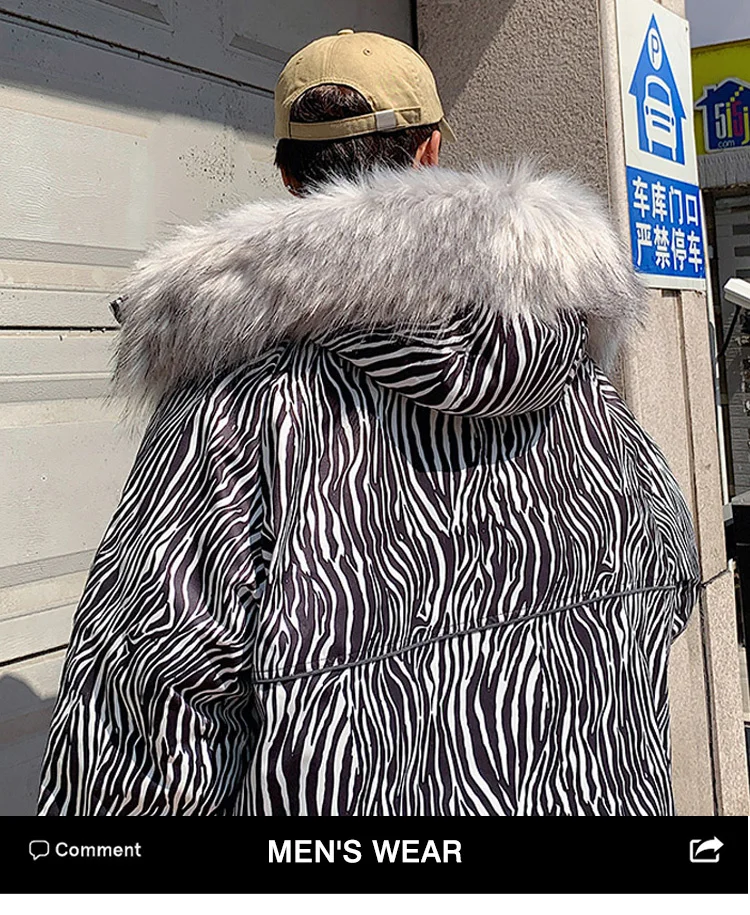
x: 183, y: 57
x: 133, y: 64
x: 124, y: 82
x: 24, y: 722
x: 454, y: 37
x: 473, y: 26
x: 520, y: 79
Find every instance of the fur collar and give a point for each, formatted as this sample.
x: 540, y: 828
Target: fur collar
x: 398, y: 248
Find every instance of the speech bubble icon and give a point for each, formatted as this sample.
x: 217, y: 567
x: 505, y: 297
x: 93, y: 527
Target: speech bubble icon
x: 39, y: 849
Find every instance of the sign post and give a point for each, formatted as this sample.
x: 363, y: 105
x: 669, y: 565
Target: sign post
x: 666, y: 221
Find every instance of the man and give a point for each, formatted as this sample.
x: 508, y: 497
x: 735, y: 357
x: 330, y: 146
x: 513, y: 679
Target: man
x: 393, y: 544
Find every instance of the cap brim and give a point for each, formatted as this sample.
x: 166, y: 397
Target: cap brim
x: 446, y: 130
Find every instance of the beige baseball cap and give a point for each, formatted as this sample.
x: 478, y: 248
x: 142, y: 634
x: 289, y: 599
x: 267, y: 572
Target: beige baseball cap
x: 394, y: 79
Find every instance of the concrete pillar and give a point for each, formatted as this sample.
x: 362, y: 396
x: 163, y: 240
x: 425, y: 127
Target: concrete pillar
x: 540, y: 78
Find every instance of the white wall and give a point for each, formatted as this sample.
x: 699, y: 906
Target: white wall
x: 119, y: 120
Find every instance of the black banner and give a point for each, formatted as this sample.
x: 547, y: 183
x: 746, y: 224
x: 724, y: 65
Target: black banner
x: 371, y: 855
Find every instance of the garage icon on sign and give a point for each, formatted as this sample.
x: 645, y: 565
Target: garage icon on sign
x: 660, y: 110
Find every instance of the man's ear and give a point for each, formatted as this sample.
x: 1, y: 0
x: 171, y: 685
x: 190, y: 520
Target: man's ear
x: 428, y: 152
x: 291, y: 184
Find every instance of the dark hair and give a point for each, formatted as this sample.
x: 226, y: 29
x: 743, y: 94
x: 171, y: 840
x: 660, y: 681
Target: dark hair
x: 312, y: 162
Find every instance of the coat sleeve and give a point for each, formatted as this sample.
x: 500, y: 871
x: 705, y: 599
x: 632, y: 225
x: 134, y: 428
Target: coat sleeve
x: 647, y: 472
x: 154, y: 714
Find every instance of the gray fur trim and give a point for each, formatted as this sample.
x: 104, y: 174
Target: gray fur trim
x: 399, y: 248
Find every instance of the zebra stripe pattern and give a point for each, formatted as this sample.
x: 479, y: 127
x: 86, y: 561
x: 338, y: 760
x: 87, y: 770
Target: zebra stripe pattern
x: 431, y: 573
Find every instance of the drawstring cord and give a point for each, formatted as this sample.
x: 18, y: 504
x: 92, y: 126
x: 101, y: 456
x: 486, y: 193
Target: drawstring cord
x: 710, y: 581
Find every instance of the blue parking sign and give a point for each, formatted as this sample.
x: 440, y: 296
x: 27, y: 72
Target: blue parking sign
x: 664, y: 202
x: 666, y: 226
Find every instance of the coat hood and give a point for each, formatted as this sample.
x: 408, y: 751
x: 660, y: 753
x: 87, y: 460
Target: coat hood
x: 398, y: 249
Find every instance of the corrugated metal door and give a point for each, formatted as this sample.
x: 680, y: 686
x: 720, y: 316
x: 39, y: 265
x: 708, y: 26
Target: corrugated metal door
x: 119, y: 118
x: 733, y: 249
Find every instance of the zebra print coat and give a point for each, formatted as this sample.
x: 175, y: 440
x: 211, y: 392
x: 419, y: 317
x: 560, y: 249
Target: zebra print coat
x: 393, y: 544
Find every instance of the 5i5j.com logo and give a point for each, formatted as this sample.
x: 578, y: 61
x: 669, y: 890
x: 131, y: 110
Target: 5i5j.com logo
x: 726, y: 114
